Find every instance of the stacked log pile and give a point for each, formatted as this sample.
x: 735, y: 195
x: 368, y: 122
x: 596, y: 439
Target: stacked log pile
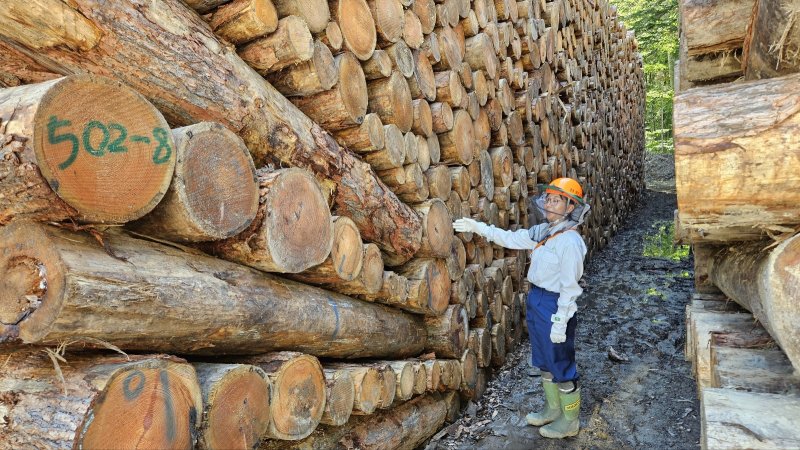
x: 267, y: 189
x: 744, y: 234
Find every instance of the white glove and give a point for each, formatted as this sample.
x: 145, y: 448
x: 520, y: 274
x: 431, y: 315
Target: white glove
x: 558, y: 331
x: 467, y: 225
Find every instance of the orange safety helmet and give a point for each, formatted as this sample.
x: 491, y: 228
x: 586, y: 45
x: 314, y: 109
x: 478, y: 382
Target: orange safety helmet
x: 566, y: 187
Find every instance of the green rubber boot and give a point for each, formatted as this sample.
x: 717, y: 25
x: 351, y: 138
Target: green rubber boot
x: 552, y: 408
x: 568, y: 423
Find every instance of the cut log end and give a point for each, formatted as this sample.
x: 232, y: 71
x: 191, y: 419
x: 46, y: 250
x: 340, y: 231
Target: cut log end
x: 372, y: 270
x: 352, y: 87
x: 347, y: 254
x: 125, y: 415
x: 298, y: 398
x: 340, y: 398
x: 103, y: 148
x: 357, y: 26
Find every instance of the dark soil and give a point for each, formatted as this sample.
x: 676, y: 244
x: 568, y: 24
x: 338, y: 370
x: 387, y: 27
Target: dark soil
x: 634, y: 304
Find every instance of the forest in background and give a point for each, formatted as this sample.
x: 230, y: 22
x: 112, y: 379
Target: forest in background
x: 656, y: 27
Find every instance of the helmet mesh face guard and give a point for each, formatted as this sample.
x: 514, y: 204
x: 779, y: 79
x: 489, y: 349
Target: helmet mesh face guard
x: 578, y: 214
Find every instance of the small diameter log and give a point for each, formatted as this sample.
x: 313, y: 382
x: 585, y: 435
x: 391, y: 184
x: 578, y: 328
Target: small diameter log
x: 201, y: 206
x: 483, y: 130
x: 108, y: 163
x: 370, y: 280
x: 502, y: 165
x: 291, y: 43
x: 97, y: 401
x: 339, y: 397
x: 459, y: 181
x: 205, y: 6
x: 315, y: 13
x: 402, y: 58
x: 423, y: 83
x: 411, y: 150
x: 388, y: 16
x: 423, y: 153
x: 433, y: 368
x: 134, y: 304
x: 480, y: 54
x: 414, y: 181
x: 457, y: 260
x: 420, y: 378
x: 480, y: 343
x: 364, y: 138
x: 390, y: 98
x: 394, y: 290
x: 345, y: 260
x: 311, y: 77
x: 434, y: 149
x: 404, y: 379
x: 451, y: 54
x: 367, y: 386
x: 343, y: 106
x: 412, y: 29
x: 434, y: 273
x: 442, y: 117
x: 448, y: 333
x: 426, y: 12
x: 332, y: 37
x: 236, y: 405
x: 456, y: 145
x: 486, y: 171
x: 357, y: 25
x: 498, y: 345
x: 241, y: 21
x: 448, y: 87
x: 388, y: 386
x: 392, y: 155
x: 451, y: 374
x: 437, y: 229
x: 423, y: 119
x: 439, y: 182
x: 292, y: 230
x: 379, y: 65
x: 297, y: 394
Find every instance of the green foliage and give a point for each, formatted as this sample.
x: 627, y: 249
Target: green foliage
x: 656, y: 27
x: 661, y: 243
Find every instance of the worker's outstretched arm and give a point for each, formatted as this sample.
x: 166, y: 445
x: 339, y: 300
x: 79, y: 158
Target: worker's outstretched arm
x: 514, y: 240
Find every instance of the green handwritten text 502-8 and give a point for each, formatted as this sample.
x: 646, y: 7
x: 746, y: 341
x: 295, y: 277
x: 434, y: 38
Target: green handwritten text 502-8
x: 112, y: 140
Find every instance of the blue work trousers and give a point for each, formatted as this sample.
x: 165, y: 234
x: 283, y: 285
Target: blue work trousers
x: 558, y: 359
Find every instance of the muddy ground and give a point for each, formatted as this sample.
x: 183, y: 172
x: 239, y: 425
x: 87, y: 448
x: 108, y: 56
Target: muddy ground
x: 634, y: 304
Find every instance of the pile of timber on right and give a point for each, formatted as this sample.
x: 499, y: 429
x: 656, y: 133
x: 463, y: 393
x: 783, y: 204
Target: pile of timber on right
x: 737, y: 169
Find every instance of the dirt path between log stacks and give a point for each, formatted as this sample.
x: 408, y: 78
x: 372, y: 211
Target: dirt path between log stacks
x: 634, y: 304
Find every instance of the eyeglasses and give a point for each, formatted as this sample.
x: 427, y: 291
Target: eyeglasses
x: 553, y: 199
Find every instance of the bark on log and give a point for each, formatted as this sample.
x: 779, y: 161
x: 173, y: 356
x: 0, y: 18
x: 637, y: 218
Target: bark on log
x: 99, y: 402
x: 339, y: 397
x: 316, y: 75
x: 448, y: 333
x: 390, y: 98
x: 223, y: 90
x: 291, y: 43
x: 92, y: 294
x: 710, y: 27
x: 68, y: 152
x: 730, y: 133
x: 204, y: 207
x: 236, y: 406
x: 297, y: 394
x: 765, y: 282
x: 241, y: 21
x: 772, y: 45
x: 345, y: 260
x: 315, y: 13
x: 357, y: 25
x: 292, y: 230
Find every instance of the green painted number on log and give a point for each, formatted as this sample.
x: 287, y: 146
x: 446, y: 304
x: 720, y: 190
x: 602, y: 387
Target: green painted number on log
x: 163, y: 152
x: 54, y: 139
x: 116, y: 145
x: 100, y: 150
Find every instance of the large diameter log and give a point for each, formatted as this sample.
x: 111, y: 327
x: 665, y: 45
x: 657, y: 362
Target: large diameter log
x: 710, y: 27
x: 222, y: 89
x: 235, y: 405
x: 241, y: 21
x: 292, y: 230
x: 437, y: 228
x: 201, y: 206
x: 291, y: 43
x: 357, y: 25
x: 765, y: 282
x: 344, y: 105
x: 99, y: 402
x: 345, y: 260
x: 390, y: 98
x: 155, y: 298
x: 339, y: 397
x: 316, y: 75
x: 404, y: 427
x: 773, y: 41
x: 315, y: 13
x: 457, y: 145
x: 81, y: 147
x: 728, y: 134
x: 448, y: 333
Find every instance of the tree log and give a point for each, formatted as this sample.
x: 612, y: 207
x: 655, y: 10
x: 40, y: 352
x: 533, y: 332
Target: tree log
x: 448, y: 333
x: 316, y: 75
x: 402, y: 58
x: 199, y: 207
x: 367, y: 137
x: 434, y: 273
x: 367, y: 386
x: 772, y: 43
x: 332, y: 37
x: 89, y: 293
x: 379, y: 65
x: 241, y: 21
x: 765, y: 282
x: 439, y: 182
x: 457, y: 145
x: 357, y: 25
x: 480, y: 343
x: 236, y: 406
x: 437, y: 228
x: 721, y: 133
x: 345, y: 260
x: 291, y: 43
x: 390, y: 98
x: 412, y: 29
x: 388, y: 16
x: 99, y: 402
x: 110, y: 170
x: 223, y: 89
x: 315, y: 13
x: 423, y: 118
x: 423, y: 83
x: 442, y: 117
x: 339, y: 397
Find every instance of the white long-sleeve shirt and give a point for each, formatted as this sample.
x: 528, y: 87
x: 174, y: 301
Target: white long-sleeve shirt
x: 555, y: 266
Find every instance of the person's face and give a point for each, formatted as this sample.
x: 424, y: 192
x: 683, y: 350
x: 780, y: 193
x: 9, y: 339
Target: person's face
x: 556, y: 207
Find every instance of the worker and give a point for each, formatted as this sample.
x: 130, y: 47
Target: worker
x: 557, y: 252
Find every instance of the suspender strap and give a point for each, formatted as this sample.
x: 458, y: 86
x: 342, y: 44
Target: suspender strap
x: 542, y: 242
